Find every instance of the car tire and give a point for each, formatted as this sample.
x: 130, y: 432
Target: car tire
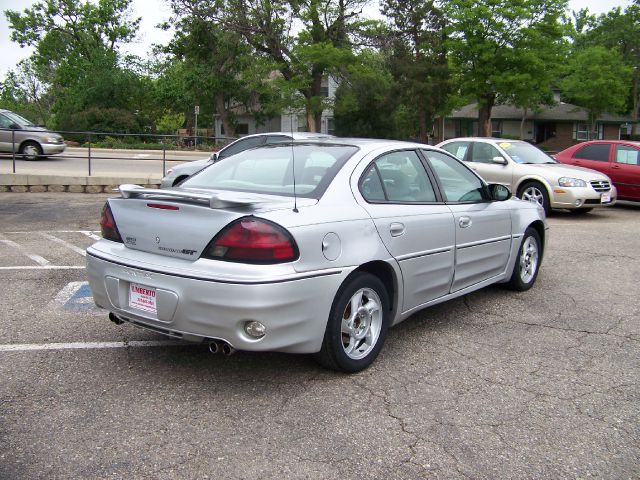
x: 580, y: 211
x: 353, y: 339
x: 31, y: 150
x: 535, y: 192
x: 525, y: 270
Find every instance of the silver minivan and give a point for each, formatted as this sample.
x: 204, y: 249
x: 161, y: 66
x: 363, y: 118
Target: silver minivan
x: 31, y: 141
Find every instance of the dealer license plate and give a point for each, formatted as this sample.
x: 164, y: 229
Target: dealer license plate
x: 605, y: 197
x: 142, y: 297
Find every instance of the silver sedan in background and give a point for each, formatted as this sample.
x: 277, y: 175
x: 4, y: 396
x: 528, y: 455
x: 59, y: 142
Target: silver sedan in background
x: 315, y: 247
x: 183, y: 171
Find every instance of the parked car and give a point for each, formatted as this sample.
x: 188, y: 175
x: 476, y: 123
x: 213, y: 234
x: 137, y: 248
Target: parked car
x: 618, y: 159
x: 183, y: 171
x: 533, y: 175
x: 31, y: 141
x: 241, y: 256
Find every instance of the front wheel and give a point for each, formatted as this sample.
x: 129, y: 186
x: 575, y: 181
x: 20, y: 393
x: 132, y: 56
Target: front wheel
x: 31, y: 151
x: 535, y: 192
x: 357, y: 325
x: 525, y: 271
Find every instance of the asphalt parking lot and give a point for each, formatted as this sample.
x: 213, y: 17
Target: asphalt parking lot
x: 541, y: 384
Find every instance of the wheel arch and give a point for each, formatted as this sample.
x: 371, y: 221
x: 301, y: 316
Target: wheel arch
x: 538, y: 226
x: 389, y: 278
x: 530, y: 179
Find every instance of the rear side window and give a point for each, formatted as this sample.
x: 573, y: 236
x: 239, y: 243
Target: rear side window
x: 457, y: 181
x: 597, y: 151
x: 627, y: 155
x: 397, y: 177
x: 458, y: 149
x: 240, y: 146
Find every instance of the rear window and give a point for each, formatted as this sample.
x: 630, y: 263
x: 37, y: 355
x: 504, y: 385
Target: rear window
x: 270, y: 169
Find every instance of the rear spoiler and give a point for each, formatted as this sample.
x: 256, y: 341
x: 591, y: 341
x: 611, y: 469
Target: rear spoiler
x: 212, y: 200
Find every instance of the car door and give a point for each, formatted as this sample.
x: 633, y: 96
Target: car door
x: 482, y: 227
x: 480, y: 159
x: 5, y: 134
x: 595, y: 156
x: 413, y: 222
x: 625, y: 171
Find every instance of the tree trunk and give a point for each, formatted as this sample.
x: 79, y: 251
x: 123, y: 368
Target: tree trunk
x: 524, y: 117
x: 485, y: 104
x: 636, y: 101
x: 229, y: 130
x: 422, y: 115
x: 313, y: 97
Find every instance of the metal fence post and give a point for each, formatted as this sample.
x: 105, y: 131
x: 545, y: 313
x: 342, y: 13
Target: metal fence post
x: 89, y: 158
x: 13, y: 148
x: 164, y: 158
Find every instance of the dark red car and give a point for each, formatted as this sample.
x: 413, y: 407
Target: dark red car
x: 618, y: 159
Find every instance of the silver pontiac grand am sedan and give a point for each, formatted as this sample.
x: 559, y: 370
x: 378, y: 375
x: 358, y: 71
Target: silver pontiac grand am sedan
x: 310, y: 247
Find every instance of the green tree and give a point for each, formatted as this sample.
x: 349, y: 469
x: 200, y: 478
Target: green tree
x: 491, y: 42
x: 367, y: 86
x: 597, y: 80
x: 418, y: 59
x: 320, y: 47
x: 619, y: 30
x: 76, y: 57
x: 22, y: 92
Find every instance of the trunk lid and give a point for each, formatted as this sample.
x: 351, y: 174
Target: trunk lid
x: 181, y: 222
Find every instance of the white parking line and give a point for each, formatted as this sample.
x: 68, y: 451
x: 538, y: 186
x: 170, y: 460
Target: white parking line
x: 30, y: 347
x: 91, y: 235
x: 36, y: 258
x: 64, y: 243
x: 45, y: 267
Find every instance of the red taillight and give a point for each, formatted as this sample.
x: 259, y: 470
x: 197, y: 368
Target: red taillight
x: 252, y: 240
x: 108, y: 225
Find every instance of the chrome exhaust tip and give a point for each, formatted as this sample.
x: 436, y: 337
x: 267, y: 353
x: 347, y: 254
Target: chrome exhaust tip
x: 228, y: 350
x: 214, y: 347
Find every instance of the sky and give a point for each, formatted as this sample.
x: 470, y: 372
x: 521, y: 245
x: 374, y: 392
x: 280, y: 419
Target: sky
x: 154, y: 12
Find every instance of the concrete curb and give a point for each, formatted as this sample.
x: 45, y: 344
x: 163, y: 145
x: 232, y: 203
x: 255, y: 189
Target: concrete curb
x: 19, y: 183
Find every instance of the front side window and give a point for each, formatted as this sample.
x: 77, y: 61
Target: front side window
x: 484, y: 152
x: 397, y: 177
x: 270, y: 169
x: 5, y: 122
x: 596, y: 151
x: 458, y: 183
x: 627, y: 155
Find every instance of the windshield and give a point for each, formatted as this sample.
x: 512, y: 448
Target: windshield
x: 269, y: 170
x: 522, y: 152
x: 23, y: 122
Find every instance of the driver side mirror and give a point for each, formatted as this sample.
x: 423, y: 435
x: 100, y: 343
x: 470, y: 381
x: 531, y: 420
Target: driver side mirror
x: 499, y: 192
x: 499, y: 160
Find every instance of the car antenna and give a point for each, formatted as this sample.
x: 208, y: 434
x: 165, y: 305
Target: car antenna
x: 293, y: 166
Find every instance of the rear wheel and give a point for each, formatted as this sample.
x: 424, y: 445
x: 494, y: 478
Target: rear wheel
x: 525, y: 271
x: 31, y: 150
x: 357, y: 325
x: 535, y: 192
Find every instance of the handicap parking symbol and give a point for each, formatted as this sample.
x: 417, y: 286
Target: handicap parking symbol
x: 77, y: 297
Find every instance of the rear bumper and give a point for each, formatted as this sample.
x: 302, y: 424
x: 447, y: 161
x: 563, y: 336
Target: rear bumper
x: 577, y: 197
x: 295, y: 312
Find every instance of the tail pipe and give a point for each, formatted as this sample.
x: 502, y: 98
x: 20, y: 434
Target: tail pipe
x: 219, y: 346
x: 115, y: 319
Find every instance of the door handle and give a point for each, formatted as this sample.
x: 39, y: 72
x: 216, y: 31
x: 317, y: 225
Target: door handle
x: 464, y: 222
x: 615, y: 167
x: 396, y: 229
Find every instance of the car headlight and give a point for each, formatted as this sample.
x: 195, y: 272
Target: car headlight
x: 571, y: 182
x: 53, y: 140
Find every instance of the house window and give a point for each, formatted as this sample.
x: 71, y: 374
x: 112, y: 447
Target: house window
x: 331, y: 126
x: 625, y: 131
x: 496, y: 128
x: 302, y: 123
x: 242, y: 129
x: 324, y: 87
x: 582, y: 132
